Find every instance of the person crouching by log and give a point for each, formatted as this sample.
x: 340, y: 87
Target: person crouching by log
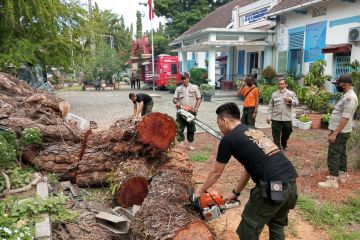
x: 275, y: 176
x: 145, y: 103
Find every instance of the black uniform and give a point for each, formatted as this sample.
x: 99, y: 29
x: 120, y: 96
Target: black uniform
x: 148, y: 102
x: 269, y: 169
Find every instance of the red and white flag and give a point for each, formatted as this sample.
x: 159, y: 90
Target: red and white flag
x: 151, y: 9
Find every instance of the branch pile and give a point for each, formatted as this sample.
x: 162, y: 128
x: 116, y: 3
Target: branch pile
x: 134, y: 150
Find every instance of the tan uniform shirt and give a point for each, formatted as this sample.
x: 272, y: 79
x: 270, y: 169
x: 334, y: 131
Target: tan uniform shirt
x: 346, y: 108
x: 278, y: 109
x: 187, y: 95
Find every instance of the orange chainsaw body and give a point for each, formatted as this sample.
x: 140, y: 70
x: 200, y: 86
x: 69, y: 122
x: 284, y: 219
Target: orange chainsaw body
x: 212, y: 198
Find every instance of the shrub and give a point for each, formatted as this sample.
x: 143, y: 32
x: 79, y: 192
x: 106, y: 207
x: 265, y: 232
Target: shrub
x: 8, y: 153
x: 171, y: 84
x: 353, y: 148
x: 205, y: 88
x: 269, y: 74
x: 304, y: 118
x: 266, y: 91
x: 325, y: 118
x: 198, y: 76
x: 318, y: 101
x: 30, y: 136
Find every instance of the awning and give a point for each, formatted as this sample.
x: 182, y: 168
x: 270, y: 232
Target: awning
x: 337, y: 48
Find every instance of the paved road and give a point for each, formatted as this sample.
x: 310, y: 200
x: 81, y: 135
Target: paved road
x: 105, y: 107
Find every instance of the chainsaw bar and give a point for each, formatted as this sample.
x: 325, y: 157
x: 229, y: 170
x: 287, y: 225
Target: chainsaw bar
x: 208, y: 129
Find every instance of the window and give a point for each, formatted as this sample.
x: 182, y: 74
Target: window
x: 319, y: 10
x: 173, y: 68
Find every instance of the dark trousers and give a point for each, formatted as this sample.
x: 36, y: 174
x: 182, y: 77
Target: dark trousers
x: 260, y: 211
x: 281, y: 131
x: 138, y: 84
x: 132, y: 84
x: 181, y: 125
x: 247, y: 118
x: 337, y: 158
x: 147, y: 108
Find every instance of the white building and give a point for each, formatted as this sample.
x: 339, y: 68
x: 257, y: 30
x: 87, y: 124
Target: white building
x: 310, y: 30
x: 240, y: 29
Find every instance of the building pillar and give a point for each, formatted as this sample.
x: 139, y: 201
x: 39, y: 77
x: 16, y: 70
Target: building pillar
x: 184, y: 61
x: 230, y: 63
x: 268, y: 56
x: 211, y: 66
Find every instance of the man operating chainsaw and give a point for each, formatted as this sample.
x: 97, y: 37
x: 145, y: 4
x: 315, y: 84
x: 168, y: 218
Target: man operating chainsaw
x: 188, y: 97
x: 275, y: 177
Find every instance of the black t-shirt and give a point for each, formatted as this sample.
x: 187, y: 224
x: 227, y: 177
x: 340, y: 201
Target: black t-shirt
x: 143, y: 97
x: 258, y: 153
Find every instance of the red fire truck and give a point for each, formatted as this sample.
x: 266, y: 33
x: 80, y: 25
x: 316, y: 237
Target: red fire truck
x: 166, y: 67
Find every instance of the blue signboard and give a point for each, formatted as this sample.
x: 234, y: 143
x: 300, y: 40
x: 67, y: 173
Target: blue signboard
x: 255, y: 16
x: 315, y: 41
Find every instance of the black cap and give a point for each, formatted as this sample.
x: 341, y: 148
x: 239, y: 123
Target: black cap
x: 184, y: 74
x: 343, y: 79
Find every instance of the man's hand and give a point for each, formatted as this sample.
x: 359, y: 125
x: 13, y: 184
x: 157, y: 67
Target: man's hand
x: 198, y: 193
x: 332, y: 137
x: 254, y: 115
x: 268, y: 121
x: 231, y: 197
x: 178, y: 105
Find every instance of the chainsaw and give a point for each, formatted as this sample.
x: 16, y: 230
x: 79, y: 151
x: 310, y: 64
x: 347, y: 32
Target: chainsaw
x: 189, y: 117
x: 210, y: 205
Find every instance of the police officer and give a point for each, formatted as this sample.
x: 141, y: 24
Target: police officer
x: 275, y: 191
x: 186, y: 96
x: 340, y: 127
x: 279, y: 114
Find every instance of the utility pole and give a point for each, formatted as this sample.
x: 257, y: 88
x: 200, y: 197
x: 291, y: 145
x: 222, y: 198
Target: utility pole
x: 92, y: 39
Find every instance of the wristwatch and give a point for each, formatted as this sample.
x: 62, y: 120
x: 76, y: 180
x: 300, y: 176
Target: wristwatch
x: 236, y: 193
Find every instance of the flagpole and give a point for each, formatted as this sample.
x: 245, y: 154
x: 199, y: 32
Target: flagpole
x: 152, y: 44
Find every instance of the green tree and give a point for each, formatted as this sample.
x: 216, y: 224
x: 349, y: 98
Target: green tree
x: 39, y: 32
x: 138, y: 25
x: 181, y: 15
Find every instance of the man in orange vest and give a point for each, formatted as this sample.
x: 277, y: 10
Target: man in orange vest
x: 250, y: 94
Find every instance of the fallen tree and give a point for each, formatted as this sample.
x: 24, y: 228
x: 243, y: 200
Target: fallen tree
x: 134, y: 152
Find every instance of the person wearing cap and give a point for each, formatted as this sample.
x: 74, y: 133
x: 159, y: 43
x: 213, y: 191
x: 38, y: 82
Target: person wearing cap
x: 145, y: 103
x: 279, y: 114
x: 340, y: 127
x: 250, y: 94
x: 188, y: 97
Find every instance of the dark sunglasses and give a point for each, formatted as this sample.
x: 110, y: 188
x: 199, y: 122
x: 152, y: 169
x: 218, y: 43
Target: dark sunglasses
x: 183, y: 78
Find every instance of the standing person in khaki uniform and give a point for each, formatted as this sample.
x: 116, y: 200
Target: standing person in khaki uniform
x: 251, y: 95
x: 186, y: 96
x: 279, y: 114
x: 340, y: 127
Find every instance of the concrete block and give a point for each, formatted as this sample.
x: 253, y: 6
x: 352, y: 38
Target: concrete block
x: 43, y: 229
x: 75, y: 190
x: 130, y: 213
x: 42, y: 189
x: 116, y: 224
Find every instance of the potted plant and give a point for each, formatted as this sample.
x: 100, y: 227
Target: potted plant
x: 171, y: 85
x: 268, y: 74
x: 304, y: 123
x: 325, y: 119
x: 206, y: 91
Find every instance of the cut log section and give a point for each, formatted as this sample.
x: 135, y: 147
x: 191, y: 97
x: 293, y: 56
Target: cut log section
x: 157, y: 129
x: 197, y: 230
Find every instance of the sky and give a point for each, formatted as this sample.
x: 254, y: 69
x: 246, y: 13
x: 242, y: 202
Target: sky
x: 128, y: 8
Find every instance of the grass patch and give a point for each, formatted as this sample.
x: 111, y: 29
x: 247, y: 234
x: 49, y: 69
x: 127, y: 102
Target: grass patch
x: 199, y: 156
x: 333, y: 217
x: 69, y: 89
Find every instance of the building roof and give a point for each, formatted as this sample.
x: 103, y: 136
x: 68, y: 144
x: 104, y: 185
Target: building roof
x: 219, y: 18
x: 287, y: 4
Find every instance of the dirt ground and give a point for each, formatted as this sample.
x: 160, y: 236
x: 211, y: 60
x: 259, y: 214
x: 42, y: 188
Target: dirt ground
x: 307, y: 151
